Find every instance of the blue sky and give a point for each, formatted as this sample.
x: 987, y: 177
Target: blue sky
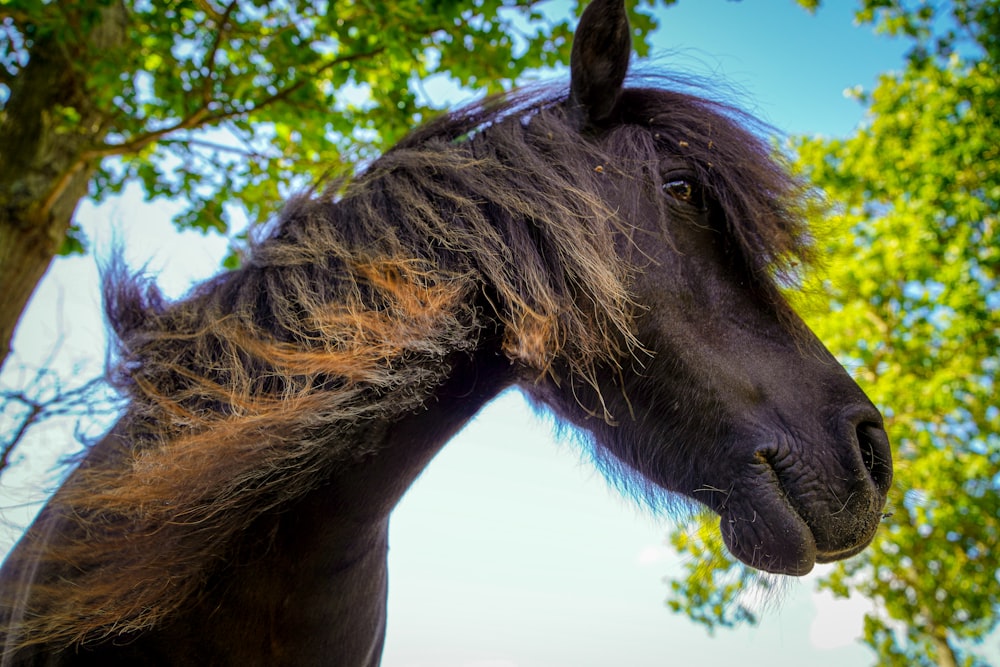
x: 510, y: 550
x: 793, y: 67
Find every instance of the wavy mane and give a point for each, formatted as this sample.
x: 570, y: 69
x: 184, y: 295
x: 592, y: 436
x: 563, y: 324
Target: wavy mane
x: 348, y: 312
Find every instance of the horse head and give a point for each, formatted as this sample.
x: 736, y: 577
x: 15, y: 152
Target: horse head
x: 729, y: 399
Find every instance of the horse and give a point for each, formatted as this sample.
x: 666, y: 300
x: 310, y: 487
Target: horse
x: 618, y: 251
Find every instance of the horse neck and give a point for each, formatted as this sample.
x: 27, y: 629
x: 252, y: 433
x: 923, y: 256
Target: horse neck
x: 307, y: 584
x: 322, y: 560
x: 370, y: 487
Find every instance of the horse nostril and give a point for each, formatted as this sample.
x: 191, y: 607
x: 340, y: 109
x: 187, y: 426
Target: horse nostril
x: 875, y: 454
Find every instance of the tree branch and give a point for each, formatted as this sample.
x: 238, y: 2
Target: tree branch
x: 78, y: 401
x: 301, y: 80
x: 18, y: 17
x: 223, y: 23
x: 8, y: 447
x: 248, y: 152
x: 201, y: 116
x: 212, y: 11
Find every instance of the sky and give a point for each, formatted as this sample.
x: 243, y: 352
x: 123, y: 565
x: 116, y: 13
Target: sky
x: 511, y: 550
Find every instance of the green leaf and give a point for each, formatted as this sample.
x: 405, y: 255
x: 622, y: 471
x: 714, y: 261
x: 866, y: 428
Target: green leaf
x: 74, y: 243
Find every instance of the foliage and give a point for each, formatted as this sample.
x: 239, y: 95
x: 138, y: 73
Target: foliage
x: 912, y: 298
x: 233, y: 101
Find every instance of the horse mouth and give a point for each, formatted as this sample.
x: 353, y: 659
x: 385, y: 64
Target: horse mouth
x: 775, y: 525
x: 772, y: 539
x: 833, y: 556
x: 783, y: 542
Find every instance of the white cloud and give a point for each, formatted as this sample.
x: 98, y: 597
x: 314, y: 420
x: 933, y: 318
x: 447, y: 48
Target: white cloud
x: 838, y: 622
x: 653, y: 554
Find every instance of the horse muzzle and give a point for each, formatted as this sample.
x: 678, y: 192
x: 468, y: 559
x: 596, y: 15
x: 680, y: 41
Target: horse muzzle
x: 797, y: 502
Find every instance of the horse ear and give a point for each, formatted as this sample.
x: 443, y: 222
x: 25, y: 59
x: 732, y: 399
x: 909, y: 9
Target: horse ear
x: 599, y: 60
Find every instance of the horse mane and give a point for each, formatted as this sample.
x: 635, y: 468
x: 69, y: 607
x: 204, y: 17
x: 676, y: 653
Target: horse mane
x: 347, y: 313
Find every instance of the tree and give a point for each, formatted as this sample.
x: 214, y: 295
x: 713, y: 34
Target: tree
x: 40, y: 395
x: 911, y: 304
x: 223, y: 101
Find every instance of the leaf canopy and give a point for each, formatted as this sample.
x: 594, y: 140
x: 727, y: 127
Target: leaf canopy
x: 233, y: 104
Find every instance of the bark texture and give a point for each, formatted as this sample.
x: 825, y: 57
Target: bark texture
x: 50, y: 128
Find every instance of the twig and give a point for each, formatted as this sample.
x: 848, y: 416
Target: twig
x: 223, y: 23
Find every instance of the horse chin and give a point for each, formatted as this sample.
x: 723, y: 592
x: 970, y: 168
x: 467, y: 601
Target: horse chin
x: 775, y: 538
x: 772, y: 538
x: 831, y: 556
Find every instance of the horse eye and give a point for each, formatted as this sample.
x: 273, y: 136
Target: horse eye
x: 683, y: 191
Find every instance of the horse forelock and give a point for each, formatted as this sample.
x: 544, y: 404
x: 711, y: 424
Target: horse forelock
x: 761, y: 201
x: 248, y: 392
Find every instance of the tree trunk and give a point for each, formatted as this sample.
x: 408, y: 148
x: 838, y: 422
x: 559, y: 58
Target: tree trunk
x: 945, y: 655
x: 44, y: 163
x: 26, y: 249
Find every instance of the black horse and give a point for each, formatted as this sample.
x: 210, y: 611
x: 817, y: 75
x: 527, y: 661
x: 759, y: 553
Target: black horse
x: 616, y: 252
